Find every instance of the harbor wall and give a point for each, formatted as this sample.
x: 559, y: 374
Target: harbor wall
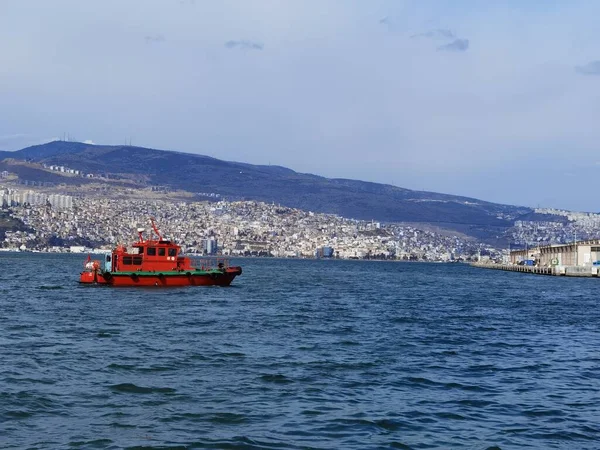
x: 568, y: 271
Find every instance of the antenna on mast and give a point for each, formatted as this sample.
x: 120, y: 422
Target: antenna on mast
x: 155, y: 229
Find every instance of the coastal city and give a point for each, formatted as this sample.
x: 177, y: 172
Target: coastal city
x: 56, y: 222
x: 242, y: 228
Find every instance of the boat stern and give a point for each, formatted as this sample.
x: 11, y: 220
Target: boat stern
x: 92, y: 273
x: 92, y: 278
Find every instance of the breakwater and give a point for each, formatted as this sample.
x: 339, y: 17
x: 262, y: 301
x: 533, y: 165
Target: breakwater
x: 568, y: 271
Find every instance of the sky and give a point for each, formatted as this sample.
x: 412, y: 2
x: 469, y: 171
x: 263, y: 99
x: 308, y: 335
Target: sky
x: 493, y: 100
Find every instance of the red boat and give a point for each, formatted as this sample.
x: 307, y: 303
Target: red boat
x: 156, y: 262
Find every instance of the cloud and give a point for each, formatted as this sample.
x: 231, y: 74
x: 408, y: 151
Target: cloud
x: 155, y: 38
x: 392, y: 24
x: 244, y: 45
x: 591, y: 68
x: 440, y: 33
x: 457, y: 45
x: 387, y: 22
x: 454, y: 43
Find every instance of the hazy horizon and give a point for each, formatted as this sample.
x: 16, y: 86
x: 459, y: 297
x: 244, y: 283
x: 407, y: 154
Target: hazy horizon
x: 491, y: 101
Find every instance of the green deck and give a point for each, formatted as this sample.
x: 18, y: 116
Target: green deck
x: 166, y: 273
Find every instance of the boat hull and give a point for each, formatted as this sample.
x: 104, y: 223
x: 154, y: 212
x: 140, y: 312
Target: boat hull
x: 151, y: 279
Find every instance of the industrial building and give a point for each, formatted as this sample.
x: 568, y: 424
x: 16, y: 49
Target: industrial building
x: 580, y: 253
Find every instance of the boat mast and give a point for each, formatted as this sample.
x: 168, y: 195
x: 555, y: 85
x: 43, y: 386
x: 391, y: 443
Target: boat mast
x: 155, y: 229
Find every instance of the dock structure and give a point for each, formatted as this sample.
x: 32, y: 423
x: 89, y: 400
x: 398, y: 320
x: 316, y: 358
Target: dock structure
x: 568, y: 271
x: 576, y: 259
x: 577, y: 253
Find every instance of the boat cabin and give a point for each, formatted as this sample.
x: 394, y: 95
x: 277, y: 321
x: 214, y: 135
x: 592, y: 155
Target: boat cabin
x: 160, y: 255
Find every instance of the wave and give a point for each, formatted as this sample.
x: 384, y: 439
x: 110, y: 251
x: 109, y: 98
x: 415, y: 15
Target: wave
x: 131, y: 388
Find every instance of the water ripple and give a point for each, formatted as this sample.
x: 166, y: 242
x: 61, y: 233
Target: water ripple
x: 299, y: 355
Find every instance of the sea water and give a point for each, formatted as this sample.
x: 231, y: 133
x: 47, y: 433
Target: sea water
x: 299, y: 354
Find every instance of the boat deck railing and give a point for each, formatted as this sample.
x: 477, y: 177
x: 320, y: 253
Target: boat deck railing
x: 212, y: 263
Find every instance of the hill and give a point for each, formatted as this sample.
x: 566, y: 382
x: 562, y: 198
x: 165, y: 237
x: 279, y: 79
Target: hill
x: 234, y: 180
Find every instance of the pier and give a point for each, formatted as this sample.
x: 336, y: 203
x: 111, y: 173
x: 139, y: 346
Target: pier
x: 567, y: 271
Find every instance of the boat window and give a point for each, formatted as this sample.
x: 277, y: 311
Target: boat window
x: 126, y: 260
x: 161, y: 252
x: 137, y: 260
x: 172, y: 252
x: 151, y: 251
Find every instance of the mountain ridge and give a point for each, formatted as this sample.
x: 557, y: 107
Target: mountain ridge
x: 236, y: 180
